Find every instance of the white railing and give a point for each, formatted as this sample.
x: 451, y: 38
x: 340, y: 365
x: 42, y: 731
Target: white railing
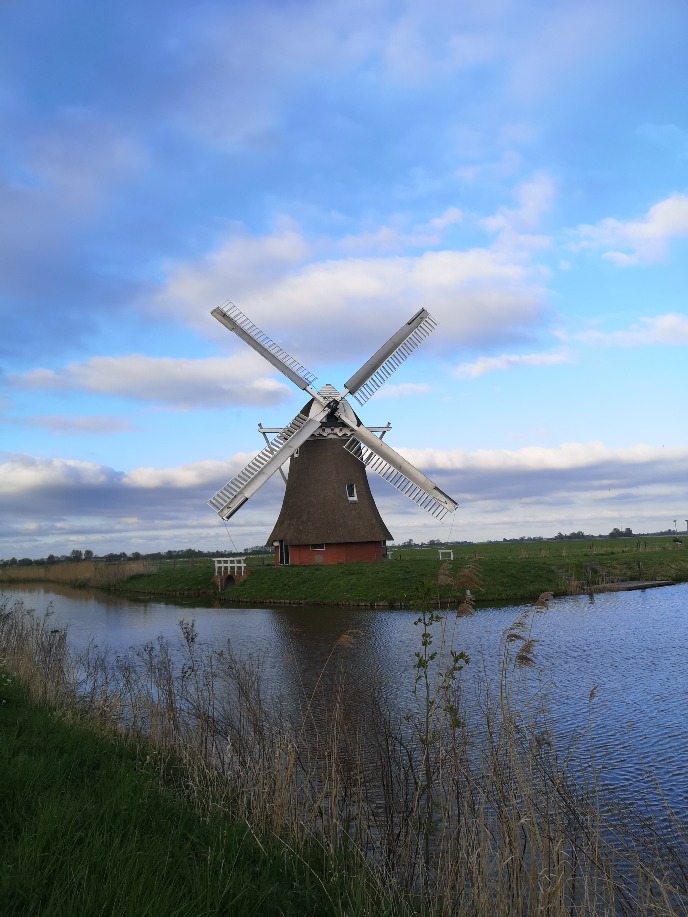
x: 234, y: 565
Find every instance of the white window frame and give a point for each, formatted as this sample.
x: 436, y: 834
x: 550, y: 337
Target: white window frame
x: 351, y: 497
x: 317, y: 547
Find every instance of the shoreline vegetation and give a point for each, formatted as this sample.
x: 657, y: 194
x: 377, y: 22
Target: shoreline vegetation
x: 92, y: 824
x: 511, y: 573
x: 165, y: 781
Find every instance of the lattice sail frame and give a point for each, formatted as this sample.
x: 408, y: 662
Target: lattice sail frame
x: 396, y: 478
x: 226, y: 494
x: 389, y: 358
x: 233, y: 318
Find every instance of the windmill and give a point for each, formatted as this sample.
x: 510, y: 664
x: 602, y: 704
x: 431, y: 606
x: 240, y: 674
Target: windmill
x: 328, y: 514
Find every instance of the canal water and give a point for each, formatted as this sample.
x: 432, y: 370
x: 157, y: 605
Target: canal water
x: 629, y: 650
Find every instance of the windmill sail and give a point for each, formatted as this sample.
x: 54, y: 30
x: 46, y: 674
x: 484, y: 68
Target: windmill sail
x: 401, y: 474
x: 327, y: 418
x: 231, y: 317
x: 236, y: 492
x: 363, y: 384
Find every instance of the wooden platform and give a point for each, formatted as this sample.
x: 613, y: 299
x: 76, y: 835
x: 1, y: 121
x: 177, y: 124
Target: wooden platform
x: 630, y: 585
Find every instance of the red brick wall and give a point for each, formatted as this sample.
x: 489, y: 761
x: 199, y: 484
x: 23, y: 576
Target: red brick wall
x: 348, y: 553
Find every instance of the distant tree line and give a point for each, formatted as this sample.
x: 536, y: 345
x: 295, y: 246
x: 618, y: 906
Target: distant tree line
x: 114, y: 557
x: 188, y: 553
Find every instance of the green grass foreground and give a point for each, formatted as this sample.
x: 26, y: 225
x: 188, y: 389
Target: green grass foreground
x: 87, y: 827
x: 510, y: 572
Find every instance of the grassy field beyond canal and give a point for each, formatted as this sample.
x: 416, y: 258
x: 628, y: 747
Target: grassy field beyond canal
x: 506, y: 572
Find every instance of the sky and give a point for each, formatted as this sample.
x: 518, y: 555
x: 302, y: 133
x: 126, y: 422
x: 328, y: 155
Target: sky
x: 518, y: 168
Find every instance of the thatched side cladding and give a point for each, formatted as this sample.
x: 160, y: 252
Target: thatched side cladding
x: 316, y: 509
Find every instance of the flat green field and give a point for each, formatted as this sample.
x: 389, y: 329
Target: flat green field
x: 506, y: 572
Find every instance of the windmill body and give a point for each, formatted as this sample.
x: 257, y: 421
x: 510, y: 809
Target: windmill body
x: 328, y: 514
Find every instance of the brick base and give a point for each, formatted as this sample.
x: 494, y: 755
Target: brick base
x: 348, y: 553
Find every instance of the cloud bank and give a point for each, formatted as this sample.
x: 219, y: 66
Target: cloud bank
x: 582, y: 485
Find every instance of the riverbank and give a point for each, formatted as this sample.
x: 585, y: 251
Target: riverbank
x: 91, y: 824
x: 362, y: 809
x: 501, y: 573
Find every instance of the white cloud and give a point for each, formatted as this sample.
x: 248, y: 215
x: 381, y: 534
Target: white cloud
x: 576, y: 481
x: 205, y: 474
x: 473, y: 294
x: 477, y: 294
x: 25, y: 473
x: 180, y: 382
x: 403, y: 390
x: 508, y: 164
x: 21, y: 473
x: 234, y: 270
x: 640, y: 241
x: 511, y: 495
x: 76, y: 426
x: 433, y: 39
x: 515, y: 227
x: 533, y: 200
x: 671, y: 328
x: 450, y: 217
x: 510, y: 361
x: 396, y: 237
x: 501, y: 492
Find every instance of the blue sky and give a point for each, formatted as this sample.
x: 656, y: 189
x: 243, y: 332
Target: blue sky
x: 517, y: 168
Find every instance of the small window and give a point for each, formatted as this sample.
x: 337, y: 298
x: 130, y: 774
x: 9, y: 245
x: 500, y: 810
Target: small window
x: 351, y: 495
x: 317, y: 547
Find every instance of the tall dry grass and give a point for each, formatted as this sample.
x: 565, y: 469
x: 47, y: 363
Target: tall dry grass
x: 78, y: 573
x: 441, y: 811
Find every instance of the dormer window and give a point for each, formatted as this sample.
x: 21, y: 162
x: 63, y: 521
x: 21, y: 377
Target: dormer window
x: 351, y: 494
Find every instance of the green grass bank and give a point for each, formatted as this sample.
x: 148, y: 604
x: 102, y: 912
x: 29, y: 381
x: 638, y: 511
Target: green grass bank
x: 89, y: 825
x: 509, y: 573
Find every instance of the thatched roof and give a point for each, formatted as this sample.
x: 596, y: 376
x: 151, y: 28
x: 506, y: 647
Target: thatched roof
x: 316, y: 508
